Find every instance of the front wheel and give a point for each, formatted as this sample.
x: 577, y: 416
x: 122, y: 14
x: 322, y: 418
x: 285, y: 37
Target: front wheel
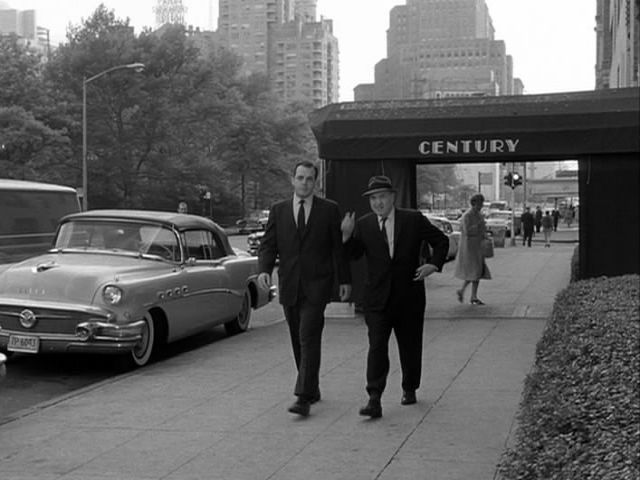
x: 145, y: 349
x: 241, y: 322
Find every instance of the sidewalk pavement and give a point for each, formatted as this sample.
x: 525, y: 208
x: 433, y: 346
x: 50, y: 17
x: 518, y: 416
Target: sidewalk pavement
x: 220, y: 411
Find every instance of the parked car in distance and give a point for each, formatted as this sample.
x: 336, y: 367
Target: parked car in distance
x: 499, y: 220
x: 127, y: 282
x: 446, y: 226
x: 29, y: 216
x: 498, y: 205
x: 254, y: 222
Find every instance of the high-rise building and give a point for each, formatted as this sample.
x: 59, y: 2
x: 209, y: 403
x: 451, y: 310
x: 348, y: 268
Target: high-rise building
x: 304, y: 61
x: 169, y: 11
x: 617, y: 43
x: 441, y: 48
x: 283, y: 40
x: 22, y: 23
x: 243, y: 27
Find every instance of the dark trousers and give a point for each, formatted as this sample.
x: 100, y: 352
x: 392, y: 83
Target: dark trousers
x: 407, y: 324
x: 527, y: 236
x: 306, y: 322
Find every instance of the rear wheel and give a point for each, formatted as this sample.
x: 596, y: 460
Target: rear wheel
x: 241, y: 322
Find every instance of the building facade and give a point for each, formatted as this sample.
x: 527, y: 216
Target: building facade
x: 304, y: 61
x: 22, y: 23
x: 617, y: 43
x: 441, y: 48
x: 283, y: 40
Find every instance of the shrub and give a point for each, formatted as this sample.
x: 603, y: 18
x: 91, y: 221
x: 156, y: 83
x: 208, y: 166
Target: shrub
x: 580, y: 413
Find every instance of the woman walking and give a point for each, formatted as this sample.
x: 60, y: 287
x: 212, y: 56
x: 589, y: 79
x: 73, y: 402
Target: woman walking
x: 470, y: 264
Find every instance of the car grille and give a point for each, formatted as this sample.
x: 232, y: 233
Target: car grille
x: 48, y: 320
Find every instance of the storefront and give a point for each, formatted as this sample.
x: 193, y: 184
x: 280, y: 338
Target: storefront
x: 599, y: 128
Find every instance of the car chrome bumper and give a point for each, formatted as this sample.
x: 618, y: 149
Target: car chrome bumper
x: 90, y: 337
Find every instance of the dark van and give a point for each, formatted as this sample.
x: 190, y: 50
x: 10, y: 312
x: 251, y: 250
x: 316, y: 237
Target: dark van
x: 29, y: 214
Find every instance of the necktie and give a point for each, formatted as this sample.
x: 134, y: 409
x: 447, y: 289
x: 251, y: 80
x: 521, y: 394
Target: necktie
x: 301, y: 223
x: 383, y: 229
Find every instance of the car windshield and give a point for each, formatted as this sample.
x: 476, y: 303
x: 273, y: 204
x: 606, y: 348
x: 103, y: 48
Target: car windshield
x: 119, y: 236
x: 500, y: 215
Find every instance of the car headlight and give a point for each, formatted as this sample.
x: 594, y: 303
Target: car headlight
x: 112, y: 294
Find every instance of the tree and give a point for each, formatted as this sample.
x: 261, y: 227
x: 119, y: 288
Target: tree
x: 435, y: 179
x: 266, y: 138
x: 33, y: 135
x: 149, y: 135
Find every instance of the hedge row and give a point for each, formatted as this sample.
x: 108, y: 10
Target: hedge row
x: 580, y: 413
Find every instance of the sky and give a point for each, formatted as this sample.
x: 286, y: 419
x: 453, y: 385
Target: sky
x: 552, y: 42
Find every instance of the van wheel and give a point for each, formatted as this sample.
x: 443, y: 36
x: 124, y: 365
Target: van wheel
x: 241, y: 322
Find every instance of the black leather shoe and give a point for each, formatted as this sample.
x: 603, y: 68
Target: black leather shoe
x: 300, y: 407
x: 315, y: 398
x: 408, y: 397
x: 372, y: 409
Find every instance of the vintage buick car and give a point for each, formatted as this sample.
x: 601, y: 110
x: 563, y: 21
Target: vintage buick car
x: 127, y: 282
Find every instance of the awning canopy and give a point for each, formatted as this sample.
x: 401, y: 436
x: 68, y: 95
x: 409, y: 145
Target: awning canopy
x: 476, y: 129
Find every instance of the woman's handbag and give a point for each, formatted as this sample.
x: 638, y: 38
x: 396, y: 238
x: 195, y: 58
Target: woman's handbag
x: 487, y: 247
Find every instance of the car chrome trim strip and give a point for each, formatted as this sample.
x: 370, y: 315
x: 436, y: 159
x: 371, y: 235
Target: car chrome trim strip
x: 56, y: 306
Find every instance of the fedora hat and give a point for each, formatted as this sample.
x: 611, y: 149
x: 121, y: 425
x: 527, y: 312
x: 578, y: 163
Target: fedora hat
x: 377, y: 184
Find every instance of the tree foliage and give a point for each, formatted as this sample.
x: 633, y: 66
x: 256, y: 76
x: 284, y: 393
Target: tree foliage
x: 33, y: 129
x: 188, y: 122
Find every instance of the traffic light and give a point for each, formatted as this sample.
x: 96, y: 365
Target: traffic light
x: 512, y: 179
x: 517, y: 180
x: 508, y: 179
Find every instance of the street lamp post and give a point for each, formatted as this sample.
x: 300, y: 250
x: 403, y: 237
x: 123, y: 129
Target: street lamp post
x: 138, y: 67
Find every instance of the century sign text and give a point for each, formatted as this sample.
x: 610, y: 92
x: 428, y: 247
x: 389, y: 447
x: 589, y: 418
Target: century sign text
x: 444, y: 147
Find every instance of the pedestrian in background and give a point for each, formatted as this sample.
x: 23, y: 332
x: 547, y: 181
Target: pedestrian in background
x: 470, y: 263
x: 527, y: 220
x: 390, y: 239
x: 182, y: 207
x: 538, y: 217
x: 547, y: 228
x: 555, y: 214
x: 303, y: 232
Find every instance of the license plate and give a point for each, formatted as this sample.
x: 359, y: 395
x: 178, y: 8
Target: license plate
x: 23, y: 343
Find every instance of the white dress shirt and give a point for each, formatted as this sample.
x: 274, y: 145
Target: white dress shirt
x: 389, y: 225
x: 308, y: 202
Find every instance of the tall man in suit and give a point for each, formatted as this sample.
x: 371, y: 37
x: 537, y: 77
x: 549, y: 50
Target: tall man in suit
x: 391, y: 239
x: 304, y: 233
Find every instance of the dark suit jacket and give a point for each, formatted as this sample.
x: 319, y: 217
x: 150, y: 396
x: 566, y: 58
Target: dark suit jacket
x: 388, y: 276
x: 310, y: 262
x: 528, y: 221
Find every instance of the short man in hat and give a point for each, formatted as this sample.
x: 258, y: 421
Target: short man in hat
x: 391, y: 239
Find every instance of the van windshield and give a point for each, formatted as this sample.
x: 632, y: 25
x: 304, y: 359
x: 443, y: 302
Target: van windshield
x: 29, y: 220
x: 34, y: 212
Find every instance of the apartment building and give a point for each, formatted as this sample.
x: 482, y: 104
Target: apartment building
x: 283, y: 40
